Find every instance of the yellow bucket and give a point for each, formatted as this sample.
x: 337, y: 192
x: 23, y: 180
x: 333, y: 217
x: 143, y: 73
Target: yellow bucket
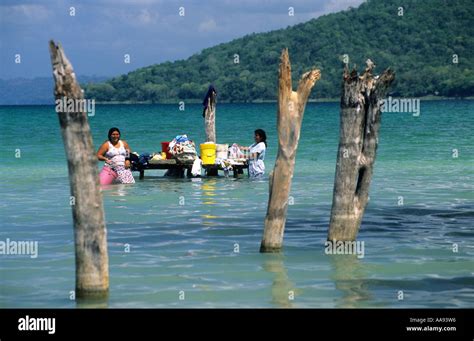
x: 208, y: 153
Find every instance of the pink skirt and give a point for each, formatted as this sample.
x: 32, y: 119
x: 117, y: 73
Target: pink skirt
x: 120, y: 175
x: 107, y: 176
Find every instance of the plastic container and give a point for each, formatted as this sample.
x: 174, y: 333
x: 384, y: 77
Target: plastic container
x: 208, y: 153
x: 222, y: 151
x: 164, y: 149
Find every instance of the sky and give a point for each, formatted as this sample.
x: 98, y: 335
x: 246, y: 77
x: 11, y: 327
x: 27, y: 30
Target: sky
x: 97, y: 34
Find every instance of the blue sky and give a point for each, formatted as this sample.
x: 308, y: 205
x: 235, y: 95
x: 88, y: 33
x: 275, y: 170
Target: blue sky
x: 150, y: 31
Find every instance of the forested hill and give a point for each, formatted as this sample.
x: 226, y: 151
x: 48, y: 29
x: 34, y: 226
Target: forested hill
x: 430, y: 46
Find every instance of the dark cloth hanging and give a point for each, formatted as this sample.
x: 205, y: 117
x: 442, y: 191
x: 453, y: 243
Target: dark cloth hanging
x: 206, y: 99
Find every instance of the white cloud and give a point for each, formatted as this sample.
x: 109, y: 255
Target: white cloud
x: 207, y: 26
x: 132, y: 17
x: 25, y: 12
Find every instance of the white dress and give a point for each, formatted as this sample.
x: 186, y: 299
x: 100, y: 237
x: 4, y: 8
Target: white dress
x: 256, y: 165
x: 118, y: 155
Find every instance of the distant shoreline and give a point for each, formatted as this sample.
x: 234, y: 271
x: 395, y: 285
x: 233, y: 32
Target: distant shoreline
x: 319, y: 100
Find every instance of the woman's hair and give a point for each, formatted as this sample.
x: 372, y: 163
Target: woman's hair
x: 263, y: 136
x: 111, y: 131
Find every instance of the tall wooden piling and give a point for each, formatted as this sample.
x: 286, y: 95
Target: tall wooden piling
x: 210, y: 117
x: 361, y: 102
x: 210, y: 121
x: 90, y: 234
x: 291, y: 105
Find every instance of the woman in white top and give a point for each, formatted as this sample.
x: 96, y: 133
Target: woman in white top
x: 115, y: 153
x: 257, y: 154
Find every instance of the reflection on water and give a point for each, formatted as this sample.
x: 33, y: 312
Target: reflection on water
x: 209, y: 191
x: 208, y: 198
x: 349, y: 274
x: 91, y: 303
x: 116, y: 190
x: 283, y: 290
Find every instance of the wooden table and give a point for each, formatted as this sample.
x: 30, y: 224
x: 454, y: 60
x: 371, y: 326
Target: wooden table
x: 181, y: 166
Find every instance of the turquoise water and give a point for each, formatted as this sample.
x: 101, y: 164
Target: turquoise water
x: 190, y: 248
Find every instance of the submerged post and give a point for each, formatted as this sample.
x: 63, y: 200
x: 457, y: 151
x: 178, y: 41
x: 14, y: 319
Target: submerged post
x: 361, y: 102
x: 210, y: 114
x: 90, y: 234
x: 291, y: 107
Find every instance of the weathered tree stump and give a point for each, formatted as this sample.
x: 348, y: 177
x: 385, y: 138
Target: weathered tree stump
x: 210, y: 116
x: 90, y: 234
x: 361, y: 102
x: 291, y: 107
x: 210, y: 121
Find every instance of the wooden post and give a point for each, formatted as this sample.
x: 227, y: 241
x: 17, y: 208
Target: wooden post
x: 361, y: 102
x: 210, y: 118
x: 90, y: 234
x: 291, y: 107
x: 210, y: 123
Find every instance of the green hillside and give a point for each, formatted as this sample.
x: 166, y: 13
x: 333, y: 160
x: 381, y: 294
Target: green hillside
x: 419, y: 46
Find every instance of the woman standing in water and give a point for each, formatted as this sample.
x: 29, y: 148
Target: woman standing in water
x: 257, y: 154
x: 115, y: 153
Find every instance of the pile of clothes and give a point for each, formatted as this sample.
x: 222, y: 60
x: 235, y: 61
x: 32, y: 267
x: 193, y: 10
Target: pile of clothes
x: 226, y: 165
x: 234, y: 156
x: 182, y: 148
x: 145, y: 158
x: 156, y: 158
x: 235, y: 152
x: 142, y: 158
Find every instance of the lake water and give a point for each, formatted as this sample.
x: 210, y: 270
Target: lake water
x: 182, y: 233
